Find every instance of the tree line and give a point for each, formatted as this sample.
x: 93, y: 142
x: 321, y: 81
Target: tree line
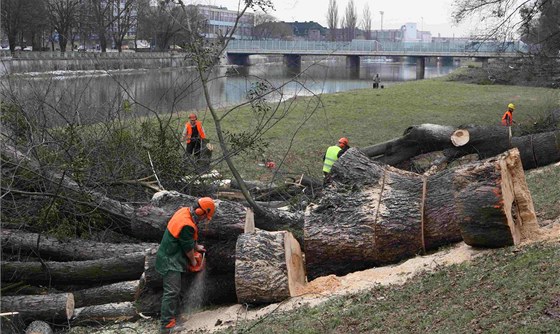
x: 62, y: 24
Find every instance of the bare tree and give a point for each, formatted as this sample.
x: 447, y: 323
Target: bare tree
x: 62, y: 16
x: 350, y: 20
x: 17, y: 18
x: 366, y: 21
x: 332, y: 19
x: 125, y: 14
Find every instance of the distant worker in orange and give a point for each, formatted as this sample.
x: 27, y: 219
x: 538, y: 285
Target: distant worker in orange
x: 507, y: 119
x: 331, y: 156
x: 193, y: 134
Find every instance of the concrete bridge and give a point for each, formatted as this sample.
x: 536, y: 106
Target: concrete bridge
x: 238, y: 51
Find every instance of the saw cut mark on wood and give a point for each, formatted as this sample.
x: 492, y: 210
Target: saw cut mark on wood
x: 460, y: 137
x: 268, y: 267
x: 51, y: 307
x: 249, y: 221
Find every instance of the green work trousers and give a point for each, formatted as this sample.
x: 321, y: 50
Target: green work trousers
x: 170, y: 301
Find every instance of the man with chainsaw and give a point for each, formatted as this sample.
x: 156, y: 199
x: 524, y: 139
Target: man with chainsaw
x: 331, y: 156
x: 178, y: 252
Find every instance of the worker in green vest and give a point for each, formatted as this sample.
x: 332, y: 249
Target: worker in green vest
x: 333, y: 153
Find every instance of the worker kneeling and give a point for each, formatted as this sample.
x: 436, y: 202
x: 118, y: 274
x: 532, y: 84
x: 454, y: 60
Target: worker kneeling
x: 178, y: 252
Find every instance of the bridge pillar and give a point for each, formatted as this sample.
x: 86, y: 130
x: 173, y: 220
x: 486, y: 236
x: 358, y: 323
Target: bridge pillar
x: 353, y: 65
x: 293, y: 63
x: 484, y: 61
x: 420, y: 67
x: 238, y: 59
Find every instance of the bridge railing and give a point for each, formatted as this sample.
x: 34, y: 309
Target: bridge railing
x: 372, y: 46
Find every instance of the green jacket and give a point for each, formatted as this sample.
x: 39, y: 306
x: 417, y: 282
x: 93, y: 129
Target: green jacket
x: 171, y: 255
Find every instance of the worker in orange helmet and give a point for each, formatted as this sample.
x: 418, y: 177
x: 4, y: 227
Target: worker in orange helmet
x: 193, y: 134
x: 331, y: 156
x: 507, y: 118
x: 178, y: 249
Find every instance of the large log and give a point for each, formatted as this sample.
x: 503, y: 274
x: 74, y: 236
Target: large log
x: 374, y: 214
x: 50, y: 308
x: 121, y: 268
x: 52, y: 248
x: 536, y: 150
x: 106, y: 294
x: 107, y: 313
x: 268, y: 267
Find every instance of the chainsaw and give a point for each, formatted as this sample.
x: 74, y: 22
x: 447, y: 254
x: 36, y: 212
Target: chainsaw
x: 200, y: 262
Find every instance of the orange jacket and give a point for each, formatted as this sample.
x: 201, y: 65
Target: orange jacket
x: 199, y: 127
x: 507, y: 119
x: 180, y: 219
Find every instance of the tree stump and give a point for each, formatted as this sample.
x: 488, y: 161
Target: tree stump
x: 268, y: 267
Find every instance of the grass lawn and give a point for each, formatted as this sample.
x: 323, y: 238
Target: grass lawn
x: 368, y: 117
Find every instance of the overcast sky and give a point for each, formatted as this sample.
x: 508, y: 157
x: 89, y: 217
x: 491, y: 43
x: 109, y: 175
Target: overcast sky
x: 433, y: 15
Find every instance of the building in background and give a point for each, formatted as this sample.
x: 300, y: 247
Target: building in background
x: 221, y: 20
x: 310, y: 31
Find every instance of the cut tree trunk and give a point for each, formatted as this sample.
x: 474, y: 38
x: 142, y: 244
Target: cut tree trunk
x: 107, y: 313
x: 122, y: 268
x: 373, y: 214
x: 106, y: 294
x: 51, y: 308
x: 493, y: 201
x: 49, y: 247
x: 268, y: 268
x: 38, y: 327
x: 536, y: 150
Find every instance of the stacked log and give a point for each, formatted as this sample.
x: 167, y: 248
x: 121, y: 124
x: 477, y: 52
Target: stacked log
x: 52, y: 307
x: 374, y: 214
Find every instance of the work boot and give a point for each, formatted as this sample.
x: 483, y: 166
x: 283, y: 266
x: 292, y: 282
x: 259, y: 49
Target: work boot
x: 169, y: 327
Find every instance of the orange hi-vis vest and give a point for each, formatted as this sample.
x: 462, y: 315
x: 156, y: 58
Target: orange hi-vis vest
x: 180, y: 219
x: 507, y: 119
x: 199, y: 127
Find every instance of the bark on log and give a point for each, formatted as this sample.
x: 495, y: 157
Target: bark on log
x: 122, y: 268
x: 268, y: 267
x: 493, y: 202
x: 107, y: 313
x: 38, y: 327
x: 536, y: 150
x: 106, y: 294
x: 49, y: 247
x: 50, y: 308
x: 374, y: 214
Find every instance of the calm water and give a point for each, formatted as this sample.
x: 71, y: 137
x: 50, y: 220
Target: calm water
x: 89, y: 95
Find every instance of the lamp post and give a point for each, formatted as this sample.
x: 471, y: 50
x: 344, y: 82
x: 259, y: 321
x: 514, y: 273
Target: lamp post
x: 381, y: 12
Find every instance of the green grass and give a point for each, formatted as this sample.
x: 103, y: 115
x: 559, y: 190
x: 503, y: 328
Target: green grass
x: 509, y: 291
x: 544, y: 185
x: 368, y: 117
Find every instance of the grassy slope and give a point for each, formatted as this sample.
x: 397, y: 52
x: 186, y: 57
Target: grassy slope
x: 510, y: 291
x: 368, y: 117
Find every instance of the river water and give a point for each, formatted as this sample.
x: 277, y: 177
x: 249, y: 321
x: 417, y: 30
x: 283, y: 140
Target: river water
x: 93, y: 96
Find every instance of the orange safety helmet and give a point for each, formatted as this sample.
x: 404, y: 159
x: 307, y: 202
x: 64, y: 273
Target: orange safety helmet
x: 343, y: 141
x: 192, y: 116
x: 206, y: 207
